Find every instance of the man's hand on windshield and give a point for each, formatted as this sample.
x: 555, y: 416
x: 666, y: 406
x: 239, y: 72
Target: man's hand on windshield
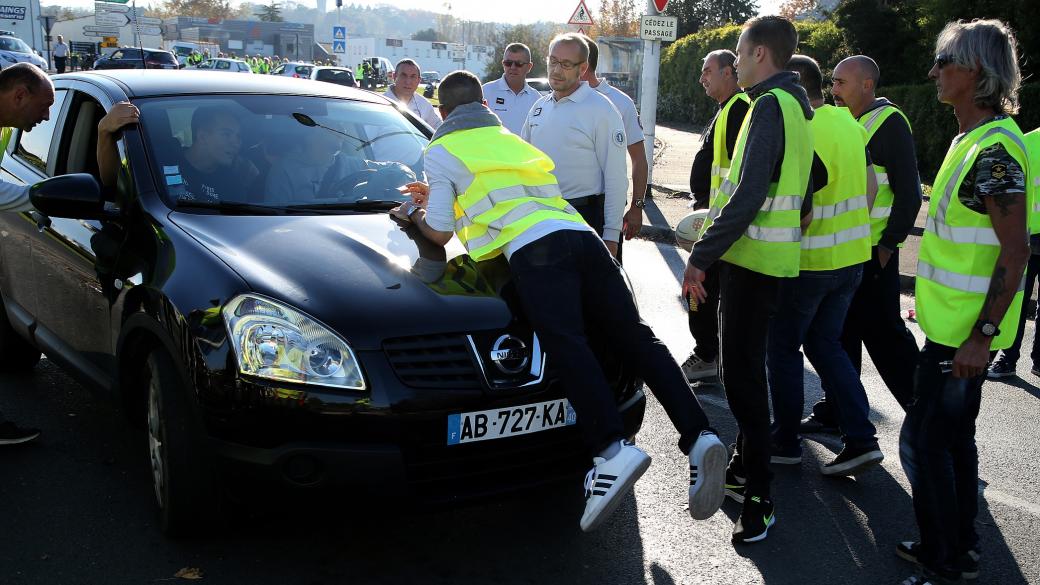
x: 419, y: 191
x: 121, y: 115
x: 403, y: 211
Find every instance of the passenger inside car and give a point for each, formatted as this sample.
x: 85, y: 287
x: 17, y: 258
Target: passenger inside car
x: 211, y: 169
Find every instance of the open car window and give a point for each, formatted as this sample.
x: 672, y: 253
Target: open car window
x: 278, y: 151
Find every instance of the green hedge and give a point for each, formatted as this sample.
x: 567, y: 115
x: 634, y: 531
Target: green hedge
x: 935, y: 125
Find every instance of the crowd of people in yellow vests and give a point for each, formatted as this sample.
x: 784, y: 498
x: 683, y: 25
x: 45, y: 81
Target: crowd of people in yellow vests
x: 259, y: 64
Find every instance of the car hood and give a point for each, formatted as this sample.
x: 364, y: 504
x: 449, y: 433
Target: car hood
x: 367, y: 276
x: 23, y: 57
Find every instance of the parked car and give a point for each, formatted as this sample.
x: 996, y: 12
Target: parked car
x: 297, y: 344
x: 135, y: 58
x: 15, y: 50
x: 540, y: 84
x: 297, y: 70
x: 337, y: 75
x: 222, y: 64
x: 430, y: 77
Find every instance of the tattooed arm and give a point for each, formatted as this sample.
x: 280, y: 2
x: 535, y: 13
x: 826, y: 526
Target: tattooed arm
x: 1007, y: 212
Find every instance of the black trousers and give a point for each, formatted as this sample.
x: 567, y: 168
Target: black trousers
x: 59, y: 64
x: 704, y: 322
x: 875, y: 321
x: 591, y: 210
x: 747, y: 300
x: 568, y: 274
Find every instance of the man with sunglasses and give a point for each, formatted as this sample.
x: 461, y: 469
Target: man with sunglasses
x: 584, y: 135
x: 510, y: 97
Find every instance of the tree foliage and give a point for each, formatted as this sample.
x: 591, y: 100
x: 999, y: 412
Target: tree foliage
x: 793, y: 9
x: 426, y: 34
x: 535, y: 36
x: 270, y: 13
x: 695, y: 15
x: 198, y: 8
x: 618, y: 18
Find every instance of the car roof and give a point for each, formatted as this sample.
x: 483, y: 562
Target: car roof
x: 142, y: 83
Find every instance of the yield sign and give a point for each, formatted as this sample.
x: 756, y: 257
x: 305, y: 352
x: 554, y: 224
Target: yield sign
x: 660, y: 5
x: 582, y: 15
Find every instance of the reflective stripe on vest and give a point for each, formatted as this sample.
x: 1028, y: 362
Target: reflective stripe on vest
x: 1033, y: 152
x: 872, y: 122
x: 959, y: 249
x: 512, y: 189
x: 839, y: 233
x: 721, y: 163
x: 771, y: 243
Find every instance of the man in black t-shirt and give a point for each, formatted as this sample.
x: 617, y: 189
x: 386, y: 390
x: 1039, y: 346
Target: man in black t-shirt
x: 212, y: 170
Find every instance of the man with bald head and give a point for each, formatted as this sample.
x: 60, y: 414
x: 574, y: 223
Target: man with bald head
x: 874, y: 318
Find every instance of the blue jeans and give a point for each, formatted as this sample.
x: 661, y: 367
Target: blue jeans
x: 811, y: 315
x: 939, y: 456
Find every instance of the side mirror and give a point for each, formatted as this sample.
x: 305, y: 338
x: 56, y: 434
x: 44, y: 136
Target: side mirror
x: 76, y: 196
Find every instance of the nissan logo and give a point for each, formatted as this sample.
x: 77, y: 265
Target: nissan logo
x: 510, y: 354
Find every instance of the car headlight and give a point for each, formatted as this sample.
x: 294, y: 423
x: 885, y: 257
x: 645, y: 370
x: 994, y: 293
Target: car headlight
x: 277, y: 342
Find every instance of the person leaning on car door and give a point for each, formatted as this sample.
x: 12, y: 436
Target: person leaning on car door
x: 26, y: 96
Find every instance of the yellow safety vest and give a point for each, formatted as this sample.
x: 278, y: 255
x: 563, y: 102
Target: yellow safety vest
x: 771, y: 245
x: 839, y: 234
x: 512, y: 189
x: 1033, y: 180
x: 5, y: 138
x: 882, y: 209
x: 720, y: 160
x: 959, y: 249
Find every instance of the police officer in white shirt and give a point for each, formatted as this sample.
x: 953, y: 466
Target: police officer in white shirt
x: 510, y: 97
x: 583, y: 133
x: 406, y: 81
x: 633, y: 131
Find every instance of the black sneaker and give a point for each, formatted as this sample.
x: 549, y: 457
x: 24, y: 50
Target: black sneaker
x: 735, y: 486
x: 755, y: 520
x: 968, y: 563
x: 853, y: 460
x: 12, y: 434
x: 1035, y: 370
x: 786, y: 455
x: 814, y: 424
x: 1001, y: 368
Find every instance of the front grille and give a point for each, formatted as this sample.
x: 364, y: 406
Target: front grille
x: 433, y: 361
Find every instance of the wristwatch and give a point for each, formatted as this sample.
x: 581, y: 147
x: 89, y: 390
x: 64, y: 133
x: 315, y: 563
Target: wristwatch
x: 641, y: 203
x: 987, y: 329
x: 413, y: 209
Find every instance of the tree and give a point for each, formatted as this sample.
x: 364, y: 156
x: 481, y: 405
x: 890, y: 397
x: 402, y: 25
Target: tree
x: 694, y: 15
x: 535, y: 36
x: 618, y: 18
x: 793, y: 9
x: 201, y: 8
x: 270, y: 13
x: 426, y: 34
x: 890, y: 33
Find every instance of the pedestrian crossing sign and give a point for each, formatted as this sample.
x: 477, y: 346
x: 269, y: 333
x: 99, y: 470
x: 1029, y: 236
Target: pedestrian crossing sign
x: 339, y: 33
x: 339, y: 46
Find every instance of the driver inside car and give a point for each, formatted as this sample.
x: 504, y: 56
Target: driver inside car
x: 299, y: 174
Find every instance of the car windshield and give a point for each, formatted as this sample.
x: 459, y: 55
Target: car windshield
x: 280, y: 152
x: 14, y: 45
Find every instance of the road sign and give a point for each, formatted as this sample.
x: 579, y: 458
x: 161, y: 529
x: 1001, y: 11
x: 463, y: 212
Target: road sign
x: 110, y: 7
x: 581, y: 14
x: 152, y: 31
x: 101, y: 29
x: 658, y: 28
x: 110, y: 19
x: 339, y: 46
x: 95, y: 33
x: 660, y: 5
x: 339, y: 33
x: 147, y: 20
x: 458, y: 55
x: 581, y: 30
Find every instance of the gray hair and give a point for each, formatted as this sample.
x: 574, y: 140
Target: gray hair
x: 517, y: 48
x: 724, y: 58
x: 575, y: 38
x: 991, y: 46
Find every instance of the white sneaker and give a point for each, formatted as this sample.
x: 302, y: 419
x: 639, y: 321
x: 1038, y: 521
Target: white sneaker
x: 697, y: 369
x: 708, y: 461
x: 609, y: 481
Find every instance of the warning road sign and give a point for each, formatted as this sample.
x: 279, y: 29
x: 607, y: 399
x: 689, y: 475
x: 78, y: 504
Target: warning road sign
x: 581, y: 30
x: 339, y: 33
x: 581, y: 14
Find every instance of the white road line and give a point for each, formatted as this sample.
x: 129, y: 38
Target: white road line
x: 1009, y: 500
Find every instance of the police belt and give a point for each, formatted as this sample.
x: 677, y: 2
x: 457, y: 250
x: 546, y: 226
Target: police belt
x: 587, y: 200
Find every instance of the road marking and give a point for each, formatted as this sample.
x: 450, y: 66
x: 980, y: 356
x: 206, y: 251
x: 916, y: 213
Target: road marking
x: 1009, y: 500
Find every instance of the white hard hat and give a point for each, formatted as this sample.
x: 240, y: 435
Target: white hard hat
x: 689, y: 228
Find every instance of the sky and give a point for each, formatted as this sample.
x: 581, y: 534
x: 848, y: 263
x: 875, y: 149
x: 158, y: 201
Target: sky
x: 535, y: 10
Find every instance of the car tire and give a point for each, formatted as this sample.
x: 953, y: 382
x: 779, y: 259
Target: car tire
x: 182, y: 478
x: 19, y: 354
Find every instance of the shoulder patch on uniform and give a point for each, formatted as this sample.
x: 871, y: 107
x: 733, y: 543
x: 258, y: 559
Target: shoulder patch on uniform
x: 998, y: 170
x: 500, y: 100
x: 536, y: 112
x: 619, y: 138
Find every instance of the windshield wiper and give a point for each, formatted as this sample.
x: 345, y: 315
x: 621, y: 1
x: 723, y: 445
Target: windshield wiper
x: 235, y: 207
x: 359, y: 205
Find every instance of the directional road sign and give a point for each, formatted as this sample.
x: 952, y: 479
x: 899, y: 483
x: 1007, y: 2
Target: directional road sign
x: 339, y: 33
x: 148, y: 20
x: 110, y: 19
x: 153, y: 31
x: 101, y: 29
x: 110, y: 7
x: 581, y: 14
x: 339, y: 46
x: 95, y: 33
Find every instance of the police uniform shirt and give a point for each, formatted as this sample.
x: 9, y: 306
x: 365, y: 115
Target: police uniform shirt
x: 584, y: 135
x: 626, y: 107
x: 419, y: 106
x: 511, y: 108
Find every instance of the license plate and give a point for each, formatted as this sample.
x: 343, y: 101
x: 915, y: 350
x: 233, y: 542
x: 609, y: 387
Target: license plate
x: 470, y: 427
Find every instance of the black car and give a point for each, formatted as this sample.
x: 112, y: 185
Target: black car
x: 289, y: 331
x: 134, y: 58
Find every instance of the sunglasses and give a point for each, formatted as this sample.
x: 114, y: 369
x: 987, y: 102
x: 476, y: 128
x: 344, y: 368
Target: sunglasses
x: 942, y: 60
x: 509, y: 63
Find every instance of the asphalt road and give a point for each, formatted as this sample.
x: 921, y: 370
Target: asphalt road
x: 77, y: 506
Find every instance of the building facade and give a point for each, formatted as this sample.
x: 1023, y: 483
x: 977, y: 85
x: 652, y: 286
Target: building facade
x: 246, y: 37
x: 431, y: 56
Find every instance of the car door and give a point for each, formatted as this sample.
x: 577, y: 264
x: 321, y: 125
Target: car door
x: 70, y: 256
x: 25, y: 163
